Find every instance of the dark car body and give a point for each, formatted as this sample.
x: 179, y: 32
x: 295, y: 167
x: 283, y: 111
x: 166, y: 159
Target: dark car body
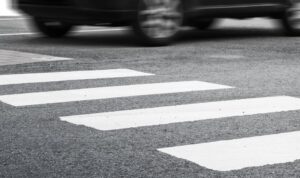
x: 80, y: 11
x: 125, y: 12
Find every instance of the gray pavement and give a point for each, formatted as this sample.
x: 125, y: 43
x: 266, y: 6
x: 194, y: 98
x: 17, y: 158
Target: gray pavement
x: 258, y: 62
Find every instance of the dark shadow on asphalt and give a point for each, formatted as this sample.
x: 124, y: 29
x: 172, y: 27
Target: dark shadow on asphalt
x: 195, y: 35
x: 127, y: 39
x: 101, y: 39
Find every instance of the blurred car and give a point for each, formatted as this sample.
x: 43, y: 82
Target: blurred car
x: 156, y: 21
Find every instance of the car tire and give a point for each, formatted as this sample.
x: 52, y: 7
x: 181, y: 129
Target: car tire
x: 52, y: 28
x: 203, y: 24
x: 291, y: 19
x: 158, y: 21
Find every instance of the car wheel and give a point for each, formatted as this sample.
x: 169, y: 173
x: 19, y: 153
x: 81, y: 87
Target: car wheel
x: 291, y: 19
x: 52, y: 28
x: 203, y: 24
x: 158, y: 21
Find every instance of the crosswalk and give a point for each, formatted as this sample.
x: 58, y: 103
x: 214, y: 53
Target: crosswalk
x: 184, y: 113
x: 106, y: 93
x: 224, y: 155
x: 241, y: 153
x: 68, y: 76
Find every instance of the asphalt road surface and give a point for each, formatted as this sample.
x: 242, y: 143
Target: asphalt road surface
x: 217, y: 103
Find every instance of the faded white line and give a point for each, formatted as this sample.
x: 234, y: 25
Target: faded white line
x: 226, y: 56
x: 107, y: 92
x: 184, y: 113
x: 101, y: 30
x: 81, y: 31
x: 12, y: 19
x: 8, y: 57
x: 17, y: 34
x: 241, y: 153
x: 71, y: 75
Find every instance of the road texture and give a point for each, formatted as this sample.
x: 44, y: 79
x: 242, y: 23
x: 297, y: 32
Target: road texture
x: 244, y: 60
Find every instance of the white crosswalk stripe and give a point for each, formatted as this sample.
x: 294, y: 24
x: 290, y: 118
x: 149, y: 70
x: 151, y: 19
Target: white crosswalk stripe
x: 51, y: 97
x: 222, y: 155
x: 185, y: 113
x: 67, y: 76
x: 241, y: 153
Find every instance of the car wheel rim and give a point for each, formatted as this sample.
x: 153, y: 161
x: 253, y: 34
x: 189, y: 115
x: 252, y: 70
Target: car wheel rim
x: 160, y: 18
x: 294, y: 16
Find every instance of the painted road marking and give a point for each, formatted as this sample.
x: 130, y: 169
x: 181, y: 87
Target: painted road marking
x: 184, y: 113
x: 107, y: 92
x: 226, y: 56
x: 66, y: 76
x: 15, y: 57
x: 12, y: 19
x: 241, y: 153
x: 17, y: 34
x: 81, y: 31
